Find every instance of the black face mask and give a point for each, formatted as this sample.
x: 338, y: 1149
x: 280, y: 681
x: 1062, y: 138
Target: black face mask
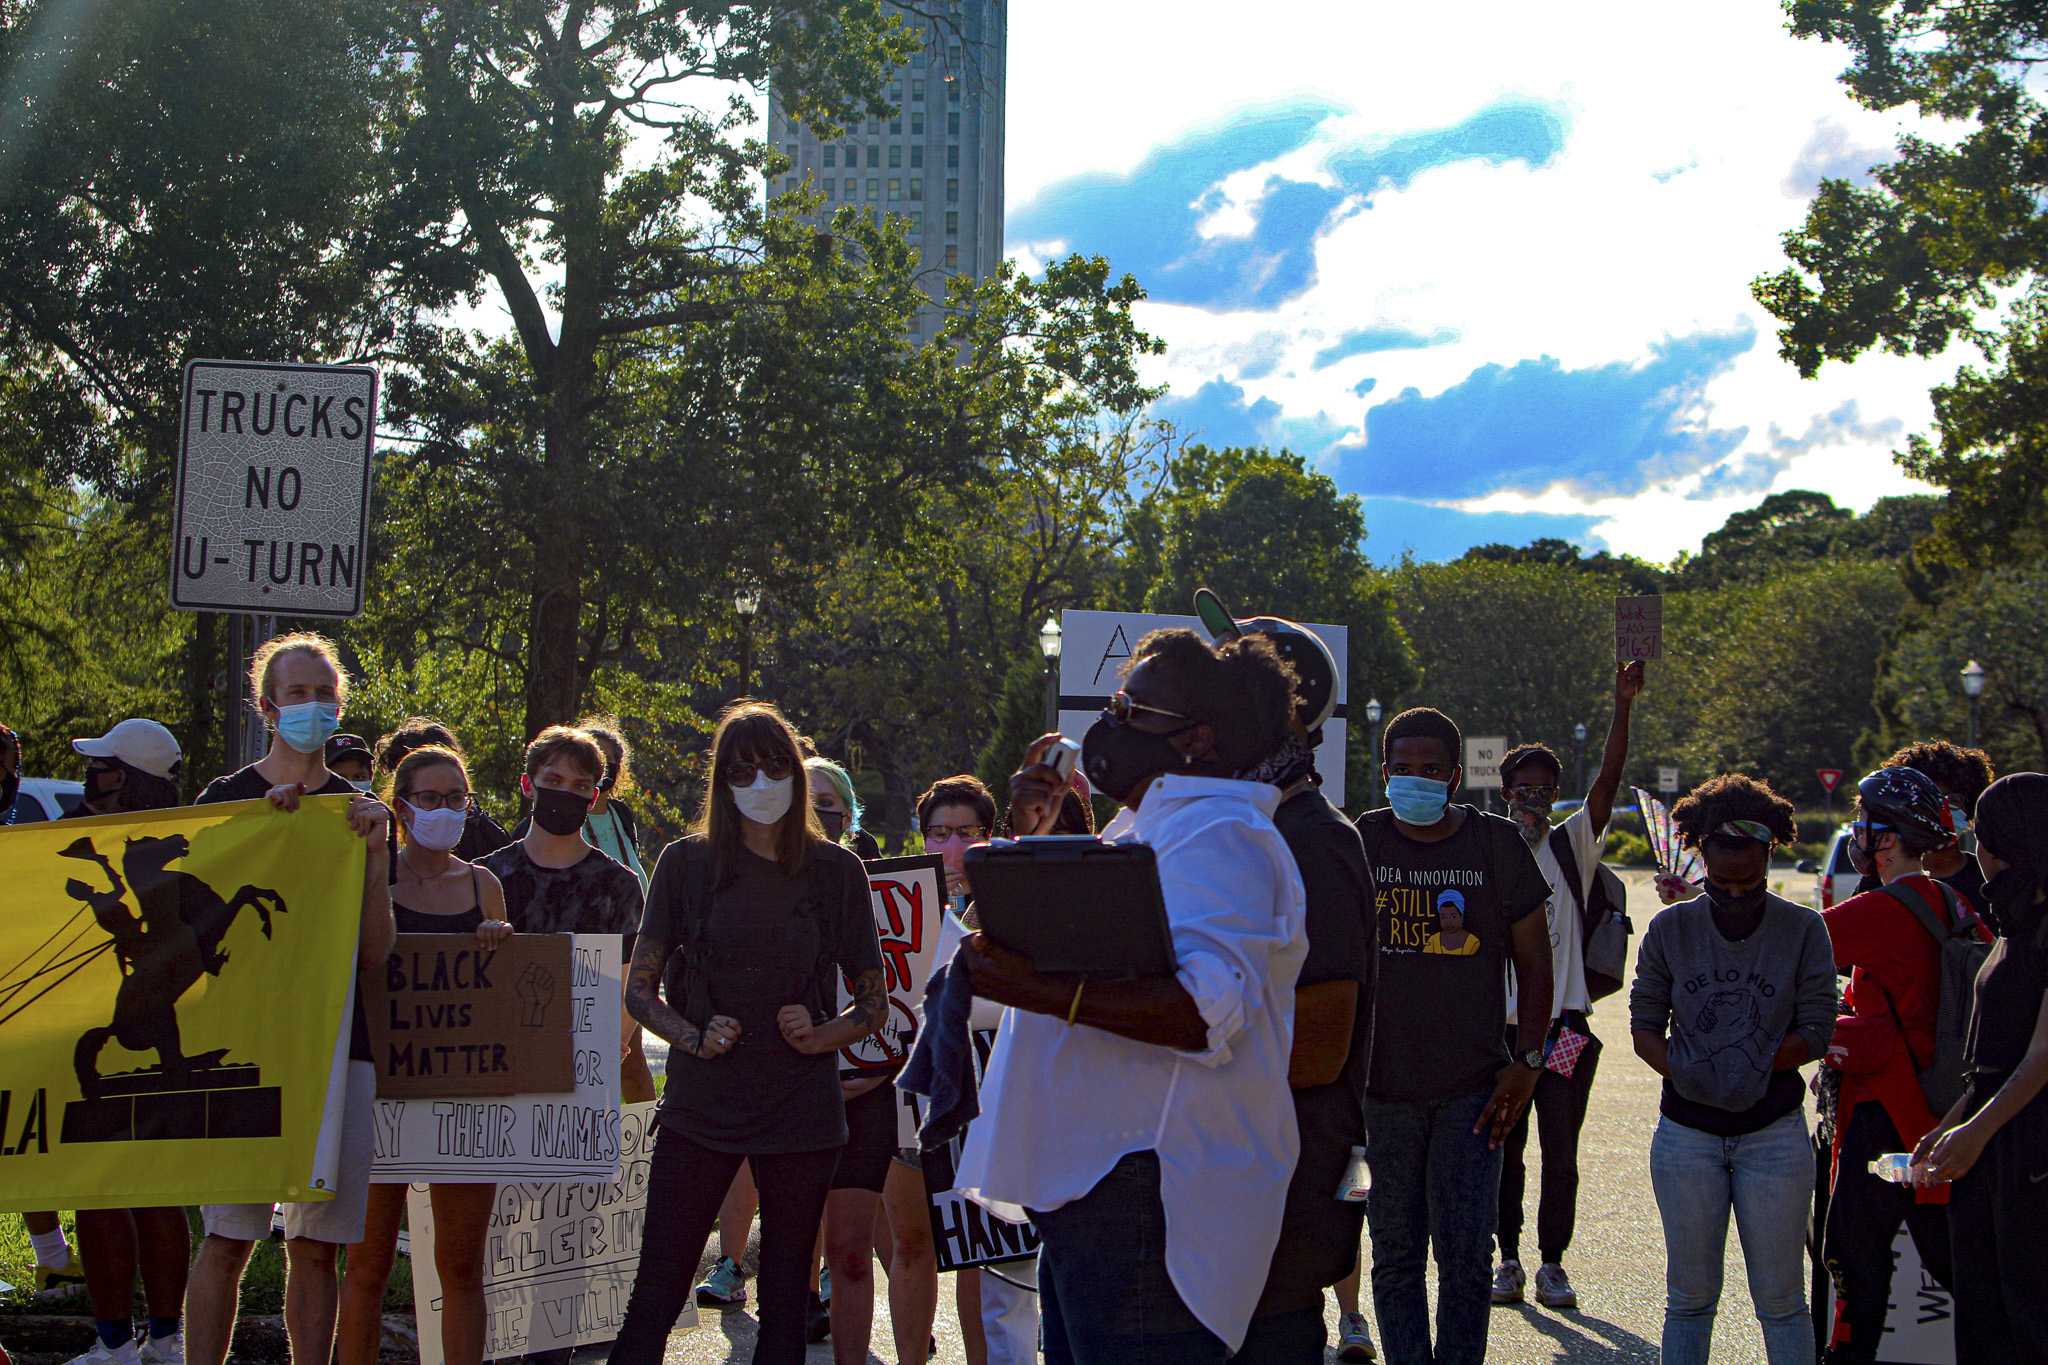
x: 1119, y: 758
x: 834, y: 823
x: 559, y: 812
x: 1749, y: 902
x: 101, y: 783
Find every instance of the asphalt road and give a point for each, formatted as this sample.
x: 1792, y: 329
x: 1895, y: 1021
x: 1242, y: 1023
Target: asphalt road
x: 1616, y: 1261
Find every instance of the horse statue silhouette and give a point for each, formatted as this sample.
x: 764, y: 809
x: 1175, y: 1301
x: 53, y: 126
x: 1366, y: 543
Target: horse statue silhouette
x: 162, y: 950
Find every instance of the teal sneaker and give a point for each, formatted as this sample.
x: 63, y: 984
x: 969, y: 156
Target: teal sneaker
x: 724, y: 1287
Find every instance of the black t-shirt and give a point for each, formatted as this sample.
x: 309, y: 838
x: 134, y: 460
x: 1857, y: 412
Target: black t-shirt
x: 250, y: 785
x: 765, y: 940
x: 1444, y: 913
x: 594, y: 895
x: 2007, y: 1001
x: 1319, y: 1233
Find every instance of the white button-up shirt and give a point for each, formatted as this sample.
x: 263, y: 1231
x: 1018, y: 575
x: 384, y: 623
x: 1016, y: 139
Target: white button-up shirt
x: 1061, y: 1106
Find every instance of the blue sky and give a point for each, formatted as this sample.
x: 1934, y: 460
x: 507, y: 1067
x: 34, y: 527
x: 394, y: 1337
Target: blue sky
x: 1488, y: 267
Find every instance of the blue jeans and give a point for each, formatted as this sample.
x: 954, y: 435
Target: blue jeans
x: 1435, y: 1186
x: 1766, y: 1179
x: 1103, y: 1292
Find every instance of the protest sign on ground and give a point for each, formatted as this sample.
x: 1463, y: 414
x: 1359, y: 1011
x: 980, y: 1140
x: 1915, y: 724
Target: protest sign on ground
x: 529, y: 1136
x: 1096, y: 644
x: 1920, y: 1317
x: 173, y: 1004
x: 559, y: 1259
x: 449, y: 1016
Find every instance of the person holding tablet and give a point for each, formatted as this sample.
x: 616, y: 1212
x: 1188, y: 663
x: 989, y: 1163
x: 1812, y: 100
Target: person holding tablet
x: 1108, y: 1103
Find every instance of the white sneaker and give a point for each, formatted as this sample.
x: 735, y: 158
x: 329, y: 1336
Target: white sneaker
x: 168, y: 1350
x: 1508, y: 1283
x: 124, y: 1354
x: 1354, y: 1339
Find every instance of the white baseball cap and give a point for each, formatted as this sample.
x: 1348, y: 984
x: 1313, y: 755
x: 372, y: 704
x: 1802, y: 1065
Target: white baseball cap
x: 141, y: 744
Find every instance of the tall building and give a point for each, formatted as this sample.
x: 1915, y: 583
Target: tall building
x: 937, y: 161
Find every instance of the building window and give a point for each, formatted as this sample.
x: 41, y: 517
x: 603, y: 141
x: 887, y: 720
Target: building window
x: 874, y: 188
x: 852, y: 188
x: 896, y: 122
x: 917, y: 187
x: 874, y: 127
x: 917, y: 125
x: 953, y: 125
x: 953, y: 92
x: 831, y: 155
x: 917, y: 155
x: 875, y: 154
x: 917, y: 224
x: 952, y: 191
x: 831, y: 191
x: 895, y: 92
x: 790, y: 152
x: 953, y: 158
x: 952, y: 257
x: 917, y: 92
x: 895, y: 156
x: 952, y: 222
x: 789, y: 186
x: 895, y: 188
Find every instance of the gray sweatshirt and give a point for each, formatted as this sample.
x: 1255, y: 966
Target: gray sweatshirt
x: 1727, y: 1006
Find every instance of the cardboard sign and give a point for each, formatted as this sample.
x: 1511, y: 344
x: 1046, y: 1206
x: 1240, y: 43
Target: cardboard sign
x: 1638, y: 628
x: 909, y: 897
x: 273, y: 498
x: 559, y: 1260
x: 449, y: 1016
x: 1483, y: 754
x: 1919, y: 1320
x: 571, y: 1135
x: 1096, y: 644
x: 1830, y: 778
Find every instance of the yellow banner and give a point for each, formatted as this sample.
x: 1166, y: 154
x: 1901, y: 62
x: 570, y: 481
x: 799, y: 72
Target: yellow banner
x: 172, y: 985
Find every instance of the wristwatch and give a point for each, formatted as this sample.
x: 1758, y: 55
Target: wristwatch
x: 1533, y: 1059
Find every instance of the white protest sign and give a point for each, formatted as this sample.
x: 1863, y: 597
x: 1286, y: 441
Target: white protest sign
x: 964, y: 1234
x: 1483, y: 754
x: 523, y: 1137
x: 909, y: 897
x: 1920, y: 1317
x: 1095, y: 644
x: 273, y: 501
x: 559, y: 1260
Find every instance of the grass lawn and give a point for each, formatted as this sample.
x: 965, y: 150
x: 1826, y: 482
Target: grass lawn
x: 262, y: 1286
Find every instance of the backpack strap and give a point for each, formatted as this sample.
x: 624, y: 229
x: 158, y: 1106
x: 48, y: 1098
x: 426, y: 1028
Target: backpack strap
x: 1916, y: 903
x: 1568, y: 864
x: 696, y: 1006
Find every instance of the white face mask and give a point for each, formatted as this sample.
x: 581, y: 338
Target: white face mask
x: 767, y: 800
x: 439, y: 830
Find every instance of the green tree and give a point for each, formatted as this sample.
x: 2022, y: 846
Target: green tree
x: 2001, y: 626
x: 1930, y: 251
x: 1640, y: 577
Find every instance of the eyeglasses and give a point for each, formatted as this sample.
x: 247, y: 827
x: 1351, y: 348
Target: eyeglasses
x: 436, y: 800
x: 1122, y: 706
x: 945, y: 834
x: 1530, y: 793
x: 740, y: 773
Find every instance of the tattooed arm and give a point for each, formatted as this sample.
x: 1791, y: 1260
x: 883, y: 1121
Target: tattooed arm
x: 644, y: 1002
x: 868, y: 1012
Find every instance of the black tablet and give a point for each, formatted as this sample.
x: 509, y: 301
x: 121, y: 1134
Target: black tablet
x: 1072, y: 903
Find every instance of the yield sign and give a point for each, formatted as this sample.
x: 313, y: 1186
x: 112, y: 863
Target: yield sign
x: 1830, y: 778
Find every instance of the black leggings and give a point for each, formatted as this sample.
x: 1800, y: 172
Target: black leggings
x: 684, y: 1189
x: 1559, y: 1105
x: 1863, y: 1217
x: 1998, y: 1214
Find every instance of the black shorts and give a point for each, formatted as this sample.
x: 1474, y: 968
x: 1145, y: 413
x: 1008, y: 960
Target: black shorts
x: 870, y: 1141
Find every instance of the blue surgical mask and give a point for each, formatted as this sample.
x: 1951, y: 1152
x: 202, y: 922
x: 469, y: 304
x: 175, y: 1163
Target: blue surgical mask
x: 307, y: 725
x: 1418, y: 801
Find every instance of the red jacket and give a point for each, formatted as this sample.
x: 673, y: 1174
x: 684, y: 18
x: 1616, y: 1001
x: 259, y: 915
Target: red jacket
x: 1894, y: 968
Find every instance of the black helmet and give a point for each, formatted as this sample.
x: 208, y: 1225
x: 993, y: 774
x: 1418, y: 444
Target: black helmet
x: 1909, y: 803
x: 1315, y: 667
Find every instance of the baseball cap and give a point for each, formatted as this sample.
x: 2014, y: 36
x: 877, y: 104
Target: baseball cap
x: 343, y: 746
x: 141, y: 744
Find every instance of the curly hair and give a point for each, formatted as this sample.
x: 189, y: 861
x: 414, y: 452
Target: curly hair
x: 1528, y: 753
x: 1959, y: 772
x: 1242, y: 687
x: 1733, y: 796
x: 414, y: 732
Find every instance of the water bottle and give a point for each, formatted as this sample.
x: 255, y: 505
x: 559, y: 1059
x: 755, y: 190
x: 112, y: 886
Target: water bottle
x: 1357, y: 1181
x: 1897, y: 1167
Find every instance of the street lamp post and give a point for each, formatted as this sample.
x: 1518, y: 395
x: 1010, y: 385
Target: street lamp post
x: 746, y: 601
x: 1973, y: 688
x: 1372, y: 746
x: 1049, y: 643
x: 1579, y: 739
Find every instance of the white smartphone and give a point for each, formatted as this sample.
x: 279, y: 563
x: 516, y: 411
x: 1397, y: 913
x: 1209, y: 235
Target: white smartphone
x: 1064, y: 755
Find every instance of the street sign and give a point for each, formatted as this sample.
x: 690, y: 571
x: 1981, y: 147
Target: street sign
x: 1482, y: 761
x: 1667, y: 781
x: 273, y: 503
x: 1830, y: 778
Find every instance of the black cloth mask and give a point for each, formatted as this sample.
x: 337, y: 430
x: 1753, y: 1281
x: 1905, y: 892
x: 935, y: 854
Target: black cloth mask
x: 559, y: 812
x: 1119, y: 758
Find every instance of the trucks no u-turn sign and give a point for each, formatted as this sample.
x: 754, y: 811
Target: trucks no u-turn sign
x: 273, y: 509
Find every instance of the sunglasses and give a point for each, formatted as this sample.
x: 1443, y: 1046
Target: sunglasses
x: 1532, y: 793
x: 1122, y: 706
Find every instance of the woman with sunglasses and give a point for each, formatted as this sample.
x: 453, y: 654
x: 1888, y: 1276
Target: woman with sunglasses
x: 1734, y: 992
x: 751, y: 922
x: 435, y: 892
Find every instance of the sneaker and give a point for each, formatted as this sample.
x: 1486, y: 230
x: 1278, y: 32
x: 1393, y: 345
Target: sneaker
x: 124, y: 1354
x: 818, y: 1326
x: 1508, y: 1283
x: 724, y: 1287
x: 825, y: 1285
x: 1553, y: 1288
x: 52, y: 1281
x: 168, y: 1350
x: 1354, y: 1338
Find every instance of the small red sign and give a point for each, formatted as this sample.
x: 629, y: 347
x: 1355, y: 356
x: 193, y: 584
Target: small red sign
x: 1830, y: 778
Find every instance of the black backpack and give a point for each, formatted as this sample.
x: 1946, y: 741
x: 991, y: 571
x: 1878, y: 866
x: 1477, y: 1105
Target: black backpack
x: 1962, y: 954
x: 1603, y: 919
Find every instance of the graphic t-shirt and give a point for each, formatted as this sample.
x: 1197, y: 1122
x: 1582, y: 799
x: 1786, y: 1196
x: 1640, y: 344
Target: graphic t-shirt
x: 1567, y: 925
x: 766, y: 940
x: 247, y: 784
x: 1444, y: 912
x: 591, y: 896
